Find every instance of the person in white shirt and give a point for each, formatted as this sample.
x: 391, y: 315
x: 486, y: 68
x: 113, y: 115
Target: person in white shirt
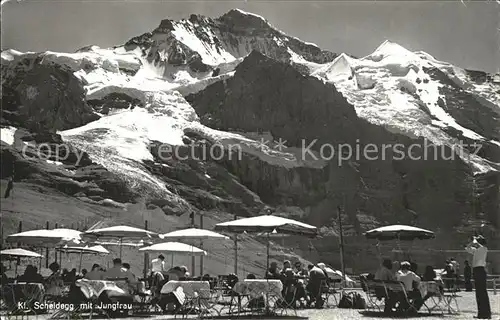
x: 158, y: 265
x: 407, y: 276
x: 411, y: 283
x: 455, y: 265
x: 479, y: 252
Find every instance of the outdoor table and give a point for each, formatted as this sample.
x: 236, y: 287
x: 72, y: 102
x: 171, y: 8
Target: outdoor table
x: 94, y: 288
x: 190, y: 289
x: 192, y: 295
x: 22, y: 296
x: 255, y: 288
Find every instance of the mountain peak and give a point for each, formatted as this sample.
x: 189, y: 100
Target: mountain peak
x: 239, y: 19
x: 241, y: 13
x: 388, y: 48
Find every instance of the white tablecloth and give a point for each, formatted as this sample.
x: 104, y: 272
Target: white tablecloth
x: 258, y: 287
x: 94, y: 288
x: 189, y: 289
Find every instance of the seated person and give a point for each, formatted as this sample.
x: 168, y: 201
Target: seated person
x: 132, y: 279
x: 187, y: 277
x: 115, y: 272
x: 175, y: 274
x: 54, y: 284
x: 31, y: 275
x: 413, y: 267
x: 128, y: 274
x: 71, y: 275
x: 65, y: 274
x: 429, y: 274
x: 5, y: 279
x: 95, y: 273
x: 273, y: 272
x: 84, y: 272
x: 286, y: 265
x: 411, y: 283
x: 300, y: 270
x: 385, y: 272
x: 449, y: 275
x: 316, y: 277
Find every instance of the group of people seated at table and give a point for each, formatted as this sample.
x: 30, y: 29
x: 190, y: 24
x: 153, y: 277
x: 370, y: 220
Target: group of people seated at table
x: 406, y: 273
x: 300, y: 284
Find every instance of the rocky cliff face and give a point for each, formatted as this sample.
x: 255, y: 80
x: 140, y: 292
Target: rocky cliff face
x: 45, y: 97
x: 271, y: 96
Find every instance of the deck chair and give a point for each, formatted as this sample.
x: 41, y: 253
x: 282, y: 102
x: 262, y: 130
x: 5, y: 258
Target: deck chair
x: 375, y: 292
x: 288, y: 302
x: 330, y: 293
x: 398, y: 288
x: 449, y: 296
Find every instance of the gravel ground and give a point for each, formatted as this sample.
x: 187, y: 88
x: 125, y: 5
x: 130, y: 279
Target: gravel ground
x: 466, y: 303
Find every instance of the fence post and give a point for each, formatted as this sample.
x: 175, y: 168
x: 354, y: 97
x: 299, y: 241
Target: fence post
x: 47, y: 248
x: 146, y: 256
x: 494, y: 286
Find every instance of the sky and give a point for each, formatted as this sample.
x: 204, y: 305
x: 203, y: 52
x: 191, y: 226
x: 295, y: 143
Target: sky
x: 463, y: 33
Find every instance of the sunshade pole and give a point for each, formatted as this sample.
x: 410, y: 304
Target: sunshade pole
x: 201, y: 247
x: 235, y: 249
x: 267, y: 268
x: 341, y: 245
x: 146, y: 255
x: 121, y: 239
x: 193, y: 259
x: 47, y: 248
x: 80, y: 264
x: 267, y: 261
x: 40, y: 260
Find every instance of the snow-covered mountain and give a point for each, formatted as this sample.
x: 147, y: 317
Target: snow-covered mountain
x: 238, y: 82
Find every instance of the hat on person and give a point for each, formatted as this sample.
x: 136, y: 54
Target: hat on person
x: 405, y: 264
x: 321, y: 265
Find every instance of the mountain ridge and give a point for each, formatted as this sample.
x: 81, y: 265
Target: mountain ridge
x: 203, y: 84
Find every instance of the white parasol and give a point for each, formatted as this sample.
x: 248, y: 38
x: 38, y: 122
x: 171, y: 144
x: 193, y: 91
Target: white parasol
x: 81, y: 250
x: 18, y: 252
x: 399, y: 232
x: 121, y: 234
x: 45, y: 238
x: 193, y: 234
x: 175, y: 248
x: 269, y: 224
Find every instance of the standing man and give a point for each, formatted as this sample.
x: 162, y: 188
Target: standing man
x: 158, y: 265
x: 157, y: 272
x: 467, y: 276
x: 479, y: 251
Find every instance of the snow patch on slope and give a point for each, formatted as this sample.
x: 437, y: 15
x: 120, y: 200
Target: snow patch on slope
x: 388, y: 88
x: 210, y: 54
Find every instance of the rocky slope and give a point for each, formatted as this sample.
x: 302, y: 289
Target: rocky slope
x: 231, y: 116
